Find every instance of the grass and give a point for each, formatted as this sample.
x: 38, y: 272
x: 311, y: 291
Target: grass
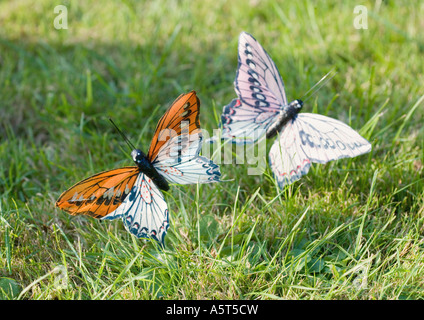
x: 350, y: 229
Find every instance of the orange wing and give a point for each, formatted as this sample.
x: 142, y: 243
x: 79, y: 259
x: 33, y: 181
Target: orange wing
x: 99, y: 195
x: 183, y: 115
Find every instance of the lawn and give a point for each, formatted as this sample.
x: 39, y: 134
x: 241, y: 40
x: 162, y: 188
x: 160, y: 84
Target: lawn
x: 350, y: 229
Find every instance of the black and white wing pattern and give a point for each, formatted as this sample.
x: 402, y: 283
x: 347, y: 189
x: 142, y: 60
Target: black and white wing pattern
x: 257, y: 69
x: 260, y: 91
x: 312, y: 138
x: 179, y: 161
x: 325, y: 139
x: 287, y: 160
x: 144, y: 211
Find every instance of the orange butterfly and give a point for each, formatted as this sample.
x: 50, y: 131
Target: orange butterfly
x: 132, y: 193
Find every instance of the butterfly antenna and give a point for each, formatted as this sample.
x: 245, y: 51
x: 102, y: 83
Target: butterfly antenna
x: 123, y: 135
x: 330, y: 75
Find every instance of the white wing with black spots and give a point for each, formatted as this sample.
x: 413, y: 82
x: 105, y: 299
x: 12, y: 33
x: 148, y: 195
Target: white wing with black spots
x: 325, y: 139
x: 260, y: 91
x: 179, y: 161
x: 312, y: 138
x: 144, y: 211
x: 287, y: 160
x: 258, y: 82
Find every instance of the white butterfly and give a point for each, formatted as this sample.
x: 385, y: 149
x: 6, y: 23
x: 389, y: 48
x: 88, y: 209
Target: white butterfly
x: 262, y: 109
x: 133, y: 193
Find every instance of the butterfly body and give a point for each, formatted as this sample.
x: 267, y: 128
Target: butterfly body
x: 148, y: 169
x: 287, y: 113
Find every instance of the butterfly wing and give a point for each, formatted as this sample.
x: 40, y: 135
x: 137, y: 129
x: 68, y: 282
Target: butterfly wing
x: 179, y: 161
x: 312, y: 138
x: 257, y: 71
x: 243, y: 124
x: 177, y: 142
x: 144, y: 212
x: 325, y: 139
x: 260, y: 91
x: 99, y: 195
x: 287, y: 159
x: 182, y: 115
